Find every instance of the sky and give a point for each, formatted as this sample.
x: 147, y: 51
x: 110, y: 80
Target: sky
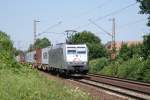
x: 56, y: 16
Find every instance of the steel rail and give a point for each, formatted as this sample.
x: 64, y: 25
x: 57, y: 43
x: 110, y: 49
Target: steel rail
x: 132, y: 89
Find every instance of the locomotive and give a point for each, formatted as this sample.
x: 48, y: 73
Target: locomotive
x: 68, y: 59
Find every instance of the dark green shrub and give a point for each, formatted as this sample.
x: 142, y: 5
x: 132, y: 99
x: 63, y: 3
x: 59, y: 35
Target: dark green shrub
x: 6, y: 52
x: 128, y: 69
x: 98, y: 64
x: 112, y: 68
x: 143, y: 73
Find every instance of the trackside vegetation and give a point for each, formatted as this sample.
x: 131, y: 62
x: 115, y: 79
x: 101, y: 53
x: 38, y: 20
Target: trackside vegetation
x: 21, y: 82
x: 132, y: 62
x: 26, y: 84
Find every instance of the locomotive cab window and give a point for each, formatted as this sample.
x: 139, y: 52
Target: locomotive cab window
x: 81, y: 52
x: 45, y: 55
x: 71, y: 51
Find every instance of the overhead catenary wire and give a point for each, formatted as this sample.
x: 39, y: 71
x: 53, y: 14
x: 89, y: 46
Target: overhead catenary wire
x: 116, y: 11
x: 46, y: 30
x: 91, y: 10
x: 100, y: 27
x: 131, y: 23
x: 109, y: 14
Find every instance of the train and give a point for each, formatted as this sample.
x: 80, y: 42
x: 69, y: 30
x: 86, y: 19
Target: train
x: 67, y: 59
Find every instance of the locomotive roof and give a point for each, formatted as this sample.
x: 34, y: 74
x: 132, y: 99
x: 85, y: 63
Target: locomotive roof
x: 68, y: 45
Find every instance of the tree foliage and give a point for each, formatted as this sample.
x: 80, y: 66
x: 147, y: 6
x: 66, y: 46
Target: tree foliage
x: 40, y: 43
x: 127, y: 52
x: 96, y: 48
x: 5, y: 42
x: 96, y: 65
x: 84, y: 37
x: 145, y: 8
x: 146, y: 46
x: 6, y: 52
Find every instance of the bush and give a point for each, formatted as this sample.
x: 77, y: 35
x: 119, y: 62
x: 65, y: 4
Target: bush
x: 143, y: 72
x: 134, y: 69
x: 97, y: 64
x: 128, y: 69
x: 96, y: 51
x: 112, y: 68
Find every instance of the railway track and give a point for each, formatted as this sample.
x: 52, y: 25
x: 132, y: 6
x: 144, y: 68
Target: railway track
x: 127, y: 88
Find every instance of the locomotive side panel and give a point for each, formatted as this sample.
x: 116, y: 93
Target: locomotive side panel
x: 56, y: 58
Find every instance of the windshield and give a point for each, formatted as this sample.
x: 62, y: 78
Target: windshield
x: 71, y: 51
x: 81, y: 52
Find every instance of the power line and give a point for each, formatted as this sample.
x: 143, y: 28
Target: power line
x: 89, y: 11
x: 86, y: 12
x: 131, y: 23
x: 45, y: 31
x: 112, y: 13
x: 117, y: 11
x: 100, y: 27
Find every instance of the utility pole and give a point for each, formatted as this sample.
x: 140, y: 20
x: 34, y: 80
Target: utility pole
x: 113, y: 55
x: 68, y: 33
x: 35, y: 28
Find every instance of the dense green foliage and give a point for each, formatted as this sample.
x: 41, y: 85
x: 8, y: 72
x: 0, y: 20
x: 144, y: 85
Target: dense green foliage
x: 145, y: 8
x: 146, y: 47
x: 132, y: 62
x: 98, y: 64
x: 40, y: 43
x: 5, y: 42
x: 6, y: 52
x: 96, y: 49
x: 126, y: 52
x: 84, y: 37
x: 135, y: 69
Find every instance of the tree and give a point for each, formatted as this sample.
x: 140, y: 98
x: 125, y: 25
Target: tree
x: 5, y: 42
x: 145, y: 8
x: 96, y: 49
x: 39, y: 43
x: 84, y: 37
x: 125, y: 52
x: 146, y: 46
x: 42, y: 43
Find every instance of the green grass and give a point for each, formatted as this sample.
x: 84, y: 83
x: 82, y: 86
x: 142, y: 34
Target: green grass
x: 27, y: 84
